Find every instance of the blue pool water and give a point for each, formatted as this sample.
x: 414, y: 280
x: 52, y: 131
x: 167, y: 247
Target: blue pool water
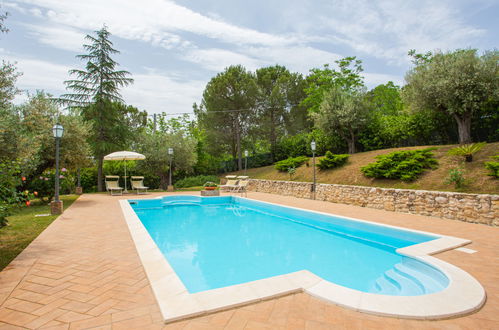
x: 220, y: 241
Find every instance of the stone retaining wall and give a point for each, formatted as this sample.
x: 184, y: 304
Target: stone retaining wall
x: 456, y: 206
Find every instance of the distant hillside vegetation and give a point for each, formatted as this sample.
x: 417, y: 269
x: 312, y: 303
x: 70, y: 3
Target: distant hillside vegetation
x: 477, y: 180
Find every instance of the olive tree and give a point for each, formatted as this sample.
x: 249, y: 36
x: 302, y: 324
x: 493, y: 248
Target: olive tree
x: 344, y: 112
x: 456, y: 83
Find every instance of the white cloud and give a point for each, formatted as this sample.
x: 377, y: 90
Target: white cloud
x: 67, y: 38
x: 388, y: 29
x: 295, y: 58
x: 216, y: 59
x: 373, y: 79
x: 158, y: 93
x: 37, y: 74
x: 152, y: 91
x: 159, y: 18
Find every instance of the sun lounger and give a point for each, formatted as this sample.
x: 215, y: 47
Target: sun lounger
x: 112, y: 185
x: 138, y: 184
x: 230, y: 184
x: 241, y: 185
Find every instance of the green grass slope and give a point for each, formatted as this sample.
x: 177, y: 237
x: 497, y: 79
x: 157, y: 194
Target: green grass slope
x: 477, y: 180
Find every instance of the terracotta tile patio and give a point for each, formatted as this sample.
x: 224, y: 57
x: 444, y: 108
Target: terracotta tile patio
x: 83, y: 272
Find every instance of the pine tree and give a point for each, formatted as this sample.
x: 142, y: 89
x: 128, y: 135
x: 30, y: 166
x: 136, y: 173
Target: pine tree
x: 95, y: 92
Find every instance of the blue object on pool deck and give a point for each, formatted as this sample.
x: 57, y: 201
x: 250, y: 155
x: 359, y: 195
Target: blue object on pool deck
x: 220, y: 241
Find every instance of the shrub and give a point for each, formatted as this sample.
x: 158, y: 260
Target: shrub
x: 405, y: 165
x: 88, y: 179
x: 493, y: 167
x: 285, y: 164
x: 210, y: 184
x: 291, y: 172
x: 332, y: 161
x: 456, y: 177
x: 467, y: 150
x: 44, y: 184
x: 196, y: 181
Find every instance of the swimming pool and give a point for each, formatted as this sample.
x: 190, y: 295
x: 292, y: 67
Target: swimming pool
x: 205, y: 254
x: 213, y: 243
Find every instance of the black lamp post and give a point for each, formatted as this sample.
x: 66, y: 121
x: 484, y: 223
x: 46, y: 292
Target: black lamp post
x: 56, y: 205
x: 312, y: 146
x: 170, y: 186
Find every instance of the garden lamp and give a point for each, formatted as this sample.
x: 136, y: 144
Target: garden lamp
x: 312, y: 146
x: 170, y: 153
x: 58, y: 131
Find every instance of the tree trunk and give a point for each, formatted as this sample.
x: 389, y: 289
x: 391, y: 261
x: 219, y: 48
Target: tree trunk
x: 100, y: 160
x: 464, y: 128
x: 272, y: 137
x: 163, y: 181
x: 238, y: 148
x: 351, y: 143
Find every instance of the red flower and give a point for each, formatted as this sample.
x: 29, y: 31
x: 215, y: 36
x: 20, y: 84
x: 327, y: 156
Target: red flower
x: 35, y: 193
x: 28, y: 203
x: 23, y: 178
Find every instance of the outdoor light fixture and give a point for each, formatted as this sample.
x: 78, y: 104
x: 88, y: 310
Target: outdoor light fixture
x: 56, y: 205
x: 170, y: 152
x: 312, y: 146
x: 245, y: 161
x: 58, y: 130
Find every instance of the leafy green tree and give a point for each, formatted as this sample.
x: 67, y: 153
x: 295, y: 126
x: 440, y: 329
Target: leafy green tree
x: 95, y: 94
x: 154, y: 145
x: 29, y: 141
x: 456, y: 83
x: 227, y: 110
x: 8, y: 89
x: 343, y: 112
x: 386, y: 99
x: 276, y: 97
x: 320, y: 81
x: 3, y: 17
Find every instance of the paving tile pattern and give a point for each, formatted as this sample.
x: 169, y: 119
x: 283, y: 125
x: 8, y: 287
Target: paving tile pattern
x: 83, y: 272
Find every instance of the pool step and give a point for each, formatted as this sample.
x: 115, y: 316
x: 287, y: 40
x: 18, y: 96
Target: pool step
x: 409, y: 278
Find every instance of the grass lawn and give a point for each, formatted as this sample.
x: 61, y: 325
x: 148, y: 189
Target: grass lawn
x: 24, y: 227
x: 190, y: 189
x: 475, y: 174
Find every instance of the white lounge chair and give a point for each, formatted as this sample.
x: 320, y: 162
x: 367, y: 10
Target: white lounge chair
x: 138, y: 184
x: 112, y: 185
x: 242, y: 185
x: 230, y: 184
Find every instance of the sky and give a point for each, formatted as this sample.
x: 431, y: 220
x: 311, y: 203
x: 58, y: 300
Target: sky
x: 173, y: 48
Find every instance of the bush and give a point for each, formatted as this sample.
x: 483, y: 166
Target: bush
x: 44, y: 184
x: 405, y: 165
x: 456, y: 177
x: 285, y: 164
x: 493, y: 167
x: 332, y: 161
x: 467, y: 150
x: 88, y: 179
x: 196, y: 181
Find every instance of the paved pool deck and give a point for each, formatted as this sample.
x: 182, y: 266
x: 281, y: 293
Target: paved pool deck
x: 84, y: 272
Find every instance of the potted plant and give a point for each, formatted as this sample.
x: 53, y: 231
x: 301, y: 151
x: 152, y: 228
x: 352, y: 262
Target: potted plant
x: 210, y: 185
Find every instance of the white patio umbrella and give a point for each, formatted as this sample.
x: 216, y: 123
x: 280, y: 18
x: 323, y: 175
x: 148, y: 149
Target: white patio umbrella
x: 124, y: 155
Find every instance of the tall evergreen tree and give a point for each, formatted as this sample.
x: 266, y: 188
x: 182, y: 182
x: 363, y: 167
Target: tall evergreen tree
x: 228, y: 110
x: 95, y: 90
x: 277, y: 98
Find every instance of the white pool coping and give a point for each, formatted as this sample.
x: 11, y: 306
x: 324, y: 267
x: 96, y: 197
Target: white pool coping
x: 463, y: 295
